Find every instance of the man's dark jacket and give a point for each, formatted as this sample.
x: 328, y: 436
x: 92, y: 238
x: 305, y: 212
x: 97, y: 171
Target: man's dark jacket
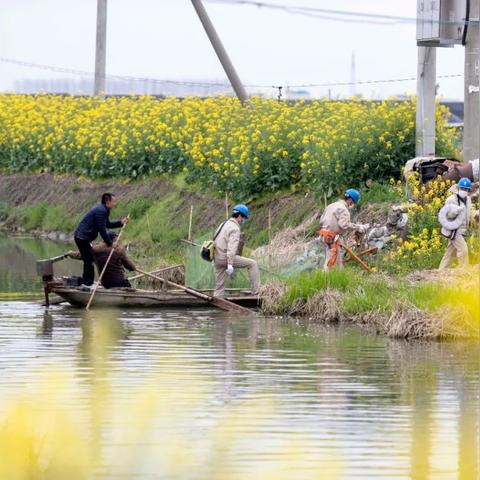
x: 96, y: 222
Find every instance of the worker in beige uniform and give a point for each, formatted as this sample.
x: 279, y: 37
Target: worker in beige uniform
x: 335, y: 222
x: 454, y: 217
x: 226, y: 258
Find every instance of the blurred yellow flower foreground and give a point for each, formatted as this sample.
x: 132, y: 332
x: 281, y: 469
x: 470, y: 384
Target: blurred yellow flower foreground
x: 66, y: 427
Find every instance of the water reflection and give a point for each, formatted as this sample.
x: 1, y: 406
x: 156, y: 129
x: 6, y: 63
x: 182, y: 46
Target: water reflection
x: 359, y: 405
x: 17, y: 262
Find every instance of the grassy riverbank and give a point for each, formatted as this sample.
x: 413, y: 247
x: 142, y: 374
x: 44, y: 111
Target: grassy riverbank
x: 422, y: 305
x: 394, y: 302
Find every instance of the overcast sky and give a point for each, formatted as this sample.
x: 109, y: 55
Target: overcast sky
x: 164, y: 39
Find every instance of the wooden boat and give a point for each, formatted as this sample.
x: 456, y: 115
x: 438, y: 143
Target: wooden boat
x: 131, y: 297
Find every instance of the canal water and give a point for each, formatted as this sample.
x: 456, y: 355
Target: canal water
x: 198, y: 394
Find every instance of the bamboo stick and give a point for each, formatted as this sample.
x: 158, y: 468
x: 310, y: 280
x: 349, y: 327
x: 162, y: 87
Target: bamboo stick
x: 190, y: 223
x: 154, y: 272
x: 105, y: 266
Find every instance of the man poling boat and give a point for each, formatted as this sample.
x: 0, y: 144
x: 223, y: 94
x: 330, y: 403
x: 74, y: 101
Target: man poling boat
x: 95, y: 222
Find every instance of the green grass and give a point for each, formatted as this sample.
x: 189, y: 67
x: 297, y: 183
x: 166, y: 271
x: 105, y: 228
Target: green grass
x: 370, y: 295
x: 56, y: 218
x: 381, y: 193
x: 361, y: 292
x: 305, y: 285
x: 364, y: 293
x: 156, y: 227
x: 5, y: 211
x: 32, y: 217
x: 42, y: 216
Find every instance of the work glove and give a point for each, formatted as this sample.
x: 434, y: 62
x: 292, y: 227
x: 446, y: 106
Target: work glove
x: 229, y: 270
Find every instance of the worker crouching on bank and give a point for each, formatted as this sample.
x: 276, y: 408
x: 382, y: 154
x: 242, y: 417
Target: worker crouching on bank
x: 336, y: 222
x: 226, y: 258
x: 454, y: 217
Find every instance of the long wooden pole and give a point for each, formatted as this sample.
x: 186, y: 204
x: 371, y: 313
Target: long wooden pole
x: 105, y: 266
x: 219, y: 302
x: 269, y: 225
x: 269, y: 238
x: 190, y: 223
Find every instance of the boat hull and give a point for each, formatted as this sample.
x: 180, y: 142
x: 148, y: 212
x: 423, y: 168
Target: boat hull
x: 133, y: 298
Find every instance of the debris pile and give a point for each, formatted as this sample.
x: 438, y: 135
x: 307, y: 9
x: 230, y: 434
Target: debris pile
x: 290, y: 248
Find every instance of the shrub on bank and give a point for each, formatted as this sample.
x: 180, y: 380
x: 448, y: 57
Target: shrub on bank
x: 218, y: 143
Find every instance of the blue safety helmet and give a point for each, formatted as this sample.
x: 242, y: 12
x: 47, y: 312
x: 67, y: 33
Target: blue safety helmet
x: 353, y: 194
x: 242, y: 209
x: 465, y: 183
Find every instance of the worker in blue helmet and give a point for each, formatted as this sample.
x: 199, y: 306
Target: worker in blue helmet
x: 335, y: 223
x: 454, y: 217
x: 227, y: 252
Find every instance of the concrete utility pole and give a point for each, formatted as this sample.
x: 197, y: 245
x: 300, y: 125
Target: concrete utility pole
x: 353, y: 76
x: 426, y: 89
x: 220, y: 51
x: 100, y: 48
x: 471, y: 134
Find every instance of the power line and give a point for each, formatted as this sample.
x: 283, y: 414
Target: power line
x: 368, y: 82
x: 338, y: 15
x: 210, y: 84
x: 323, y: 13
x: 126, y: 78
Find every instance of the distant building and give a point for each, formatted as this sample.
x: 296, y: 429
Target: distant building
x: 120, y: 86
x: 456, y: 110
x: 298, y: 94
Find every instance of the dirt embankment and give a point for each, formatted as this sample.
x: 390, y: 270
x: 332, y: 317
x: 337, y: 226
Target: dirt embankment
x: 78, y: 195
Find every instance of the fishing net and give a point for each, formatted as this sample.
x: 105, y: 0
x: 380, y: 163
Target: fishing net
x: 292, y: 250
x: 201, y: 274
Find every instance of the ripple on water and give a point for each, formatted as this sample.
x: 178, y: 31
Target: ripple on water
x: 363, y: 402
